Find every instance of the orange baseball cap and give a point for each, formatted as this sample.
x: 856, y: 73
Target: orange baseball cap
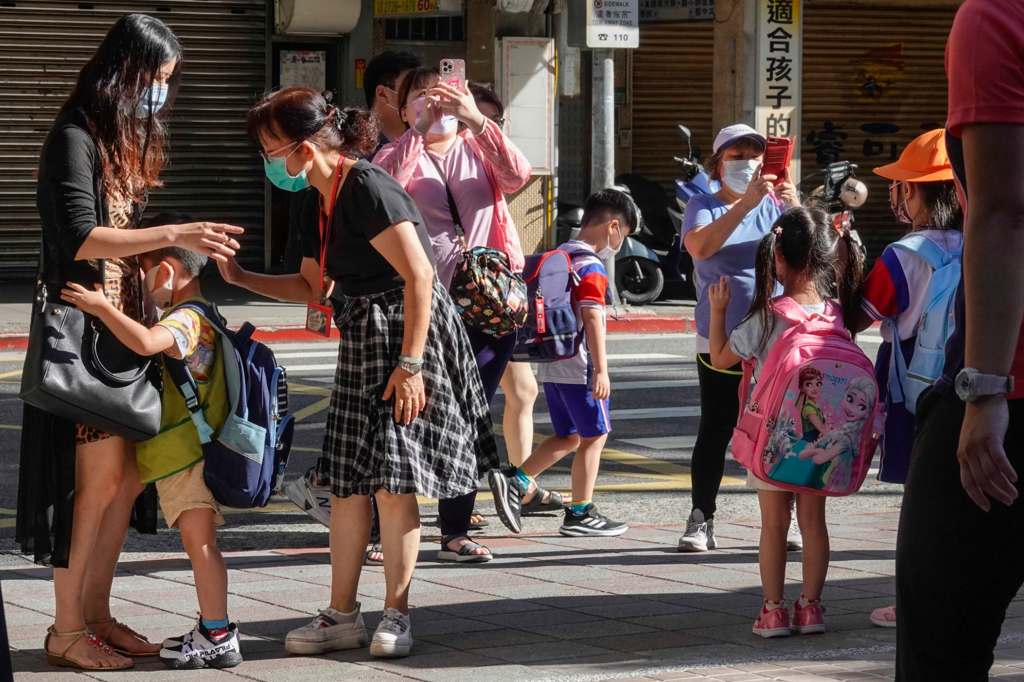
x: 924, y: 160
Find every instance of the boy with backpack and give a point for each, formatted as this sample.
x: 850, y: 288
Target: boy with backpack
x: 174, y: 458
x: 577, y: 388
x: 910, y: 291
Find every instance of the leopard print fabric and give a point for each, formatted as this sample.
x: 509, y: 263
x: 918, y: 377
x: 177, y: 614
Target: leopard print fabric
x: 123, y: 289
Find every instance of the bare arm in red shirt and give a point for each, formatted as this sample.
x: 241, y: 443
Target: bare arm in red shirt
x: 994, y: 298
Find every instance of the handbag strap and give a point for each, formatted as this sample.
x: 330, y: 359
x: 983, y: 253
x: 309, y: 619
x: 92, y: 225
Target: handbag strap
x: 459, y: 231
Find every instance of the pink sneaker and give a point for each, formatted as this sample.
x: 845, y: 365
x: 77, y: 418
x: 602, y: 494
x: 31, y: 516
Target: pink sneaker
x: 774, y: 623
x: 884, y: 618
x: 810, y: 619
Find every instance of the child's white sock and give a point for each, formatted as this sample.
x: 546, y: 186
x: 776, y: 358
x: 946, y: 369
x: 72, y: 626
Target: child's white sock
x: 805, y: 602
x: 770, y: 605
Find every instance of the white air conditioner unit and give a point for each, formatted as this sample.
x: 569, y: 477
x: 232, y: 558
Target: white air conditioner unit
x: 316, y: 17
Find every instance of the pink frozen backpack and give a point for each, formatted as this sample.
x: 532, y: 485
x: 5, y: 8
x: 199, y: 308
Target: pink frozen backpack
x: 813, y: 422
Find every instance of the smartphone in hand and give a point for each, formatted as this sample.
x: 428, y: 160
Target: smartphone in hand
x: 453, y: 73
x: 777, y: 155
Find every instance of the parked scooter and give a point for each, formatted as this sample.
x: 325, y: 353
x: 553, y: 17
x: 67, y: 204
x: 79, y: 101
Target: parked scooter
x: 655, y: 255
x: 694, y: 179
x: 842, y: 194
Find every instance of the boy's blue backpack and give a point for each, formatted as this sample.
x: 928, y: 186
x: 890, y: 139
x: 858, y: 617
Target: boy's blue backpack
x: 243, y: 461
x: 907, y: 382
x: 552, y: 331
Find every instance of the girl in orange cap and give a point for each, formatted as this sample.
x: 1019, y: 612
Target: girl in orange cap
x: 922, y: 196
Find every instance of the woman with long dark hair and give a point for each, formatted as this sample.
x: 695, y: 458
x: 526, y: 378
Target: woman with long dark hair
x: 408, y: 415
x: 477, y: 166
x: 100, y: 159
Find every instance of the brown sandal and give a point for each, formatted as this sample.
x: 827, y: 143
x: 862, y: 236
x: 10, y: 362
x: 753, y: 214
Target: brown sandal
x: 114, y: 623
x: 62, y: 659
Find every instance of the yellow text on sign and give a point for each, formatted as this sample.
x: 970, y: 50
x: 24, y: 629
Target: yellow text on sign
x: 388, y: 7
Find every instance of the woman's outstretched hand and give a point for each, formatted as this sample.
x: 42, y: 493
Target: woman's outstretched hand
x: 210, y: 239
x: 230, y: 270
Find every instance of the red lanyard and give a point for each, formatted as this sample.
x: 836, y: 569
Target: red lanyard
x: 326, y: 233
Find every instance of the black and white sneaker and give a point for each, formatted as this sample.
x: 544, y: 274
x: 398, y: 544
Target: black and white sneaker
x: 590, y: 523
x: 199, y: 649
x: 508, y: 497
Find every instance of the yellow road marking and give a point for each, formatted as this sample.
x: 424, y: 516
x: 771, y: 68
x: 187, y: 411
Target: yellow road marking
x: 318, y: 406
x: 305, y: 388
x: 8, y: 375
x: 12, y: 427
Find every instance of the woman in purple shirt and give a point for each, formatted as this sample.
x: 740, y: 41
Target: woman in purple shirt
x: 721, y: 231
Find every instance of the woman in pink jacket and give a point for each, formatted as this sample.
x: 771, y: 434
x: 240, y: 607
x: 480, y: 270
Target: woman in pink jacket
x: 478, y: 166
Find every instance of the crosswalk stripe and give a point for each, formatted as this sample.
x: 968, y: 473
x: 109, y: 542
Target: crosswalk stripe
x: 663, y: 443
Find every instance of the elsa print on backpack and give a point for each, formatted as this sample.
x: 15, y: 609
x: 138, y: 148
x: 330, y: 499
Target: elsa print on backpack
x: 823, y: 460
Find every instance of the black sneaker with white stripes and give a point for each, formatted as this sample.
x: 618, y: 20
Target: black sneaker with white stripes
x: 508, y: 497
x: 199, y: 649
x: 590, y: 523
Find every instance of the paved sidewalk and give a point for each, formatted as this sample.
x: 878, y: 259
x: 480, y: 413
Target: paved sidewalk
x: 548, y: 608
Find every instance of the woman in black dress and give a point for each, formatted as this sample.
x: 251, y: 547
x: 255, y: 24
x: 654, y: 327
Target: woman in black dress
x: 100, y: 159
x: 408, y: 414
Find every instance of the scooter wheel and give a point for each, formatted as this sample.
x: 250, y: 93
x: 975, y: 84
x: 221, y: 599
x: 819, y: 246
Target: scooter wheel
x: 639, y: 280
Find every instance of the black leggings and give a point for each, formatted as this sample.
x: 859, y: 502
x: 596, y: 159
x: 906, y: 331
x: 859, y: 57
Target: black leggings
x: 957, y: 567
x: 719, y: 410
x: 492, y: 357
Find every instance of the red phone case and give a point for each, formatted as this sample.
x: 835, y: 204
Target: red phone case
x: 777, y: 155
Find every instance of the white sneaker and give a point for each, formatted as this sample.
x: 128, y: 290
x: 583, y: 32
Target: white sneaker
x: 699, y: 535
x: 199, y: 649
x: 393, y: 638
x: 331, y: 630
x: 794, y: 539
x: 311, y: 498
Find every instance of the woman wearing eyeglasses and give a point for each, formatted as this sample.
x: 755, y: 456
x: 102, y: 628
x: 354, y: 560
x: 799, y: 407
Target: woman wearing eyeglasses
x: 478, y: 166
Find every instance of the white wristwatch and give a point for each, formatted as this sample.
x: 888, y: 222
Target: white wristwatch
x: 972, y: 385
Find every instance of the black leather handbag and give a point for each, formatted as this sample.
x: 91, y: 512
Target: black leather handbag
x: 76, y: 369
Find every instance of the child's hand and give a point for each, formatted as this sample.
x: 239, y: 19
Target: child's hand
x: 602, y: 386
x: 720, y: 294
x: 92, y: 302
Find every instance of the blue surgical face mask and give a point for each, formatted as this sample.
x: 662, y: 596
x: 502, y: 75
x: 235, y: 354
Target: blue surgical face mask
x: 276, y: 169
x: 153, y: 99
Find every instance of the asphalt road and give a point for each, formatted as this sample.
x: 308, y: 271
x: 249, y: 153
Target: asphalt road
x: 644, y: 476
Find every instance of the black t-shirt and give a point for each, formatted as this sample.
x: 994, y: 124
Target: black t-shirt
x: 368, y: 203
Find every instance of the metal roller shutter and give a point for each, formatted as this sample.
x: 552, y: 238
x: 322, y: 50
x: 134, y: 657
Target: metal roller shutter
x: 672, y: 81
x: 213, y: 174
x: 874, y: 79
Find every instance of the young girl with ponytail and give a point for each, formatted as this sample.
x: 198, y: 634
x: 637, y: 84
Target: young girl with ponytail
x: 814, y: 262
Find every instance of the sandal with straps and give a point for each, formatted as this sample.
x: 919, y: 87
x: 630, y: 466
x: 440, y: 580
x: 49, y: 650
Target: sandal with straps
x: 537, y: 505
x: 465, y: 554
x: 96, y: 642
x: 375, y: 548
x: 115, y: 623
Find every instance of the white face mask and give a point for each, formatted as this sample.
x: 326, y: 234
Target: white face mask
x: 609, y: 252
x: 737, y: 175
x: 162, y: 295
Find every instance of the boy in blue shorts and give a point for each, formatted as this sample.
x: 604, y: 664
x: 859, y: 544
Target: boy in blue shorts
x: 173, y: 459
x: 577, y: 388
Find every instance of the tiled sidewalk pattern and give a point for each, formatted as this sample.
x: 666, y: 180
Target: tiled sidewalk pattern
x: 548, y: 608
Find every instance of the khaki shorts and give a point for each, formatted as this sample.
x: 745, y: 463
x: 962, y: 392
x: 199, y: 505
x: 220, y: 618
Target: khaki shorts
x: 186, y: 490
x: 756, y: 483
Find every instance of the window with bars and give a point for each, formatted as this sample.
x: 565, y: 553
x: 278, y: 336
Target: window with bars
x: 446, y: 29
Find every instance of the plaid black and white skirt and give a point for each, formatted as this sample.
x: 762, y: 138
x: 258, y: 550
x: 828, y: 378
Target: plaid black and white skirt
x: 445, y: 451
